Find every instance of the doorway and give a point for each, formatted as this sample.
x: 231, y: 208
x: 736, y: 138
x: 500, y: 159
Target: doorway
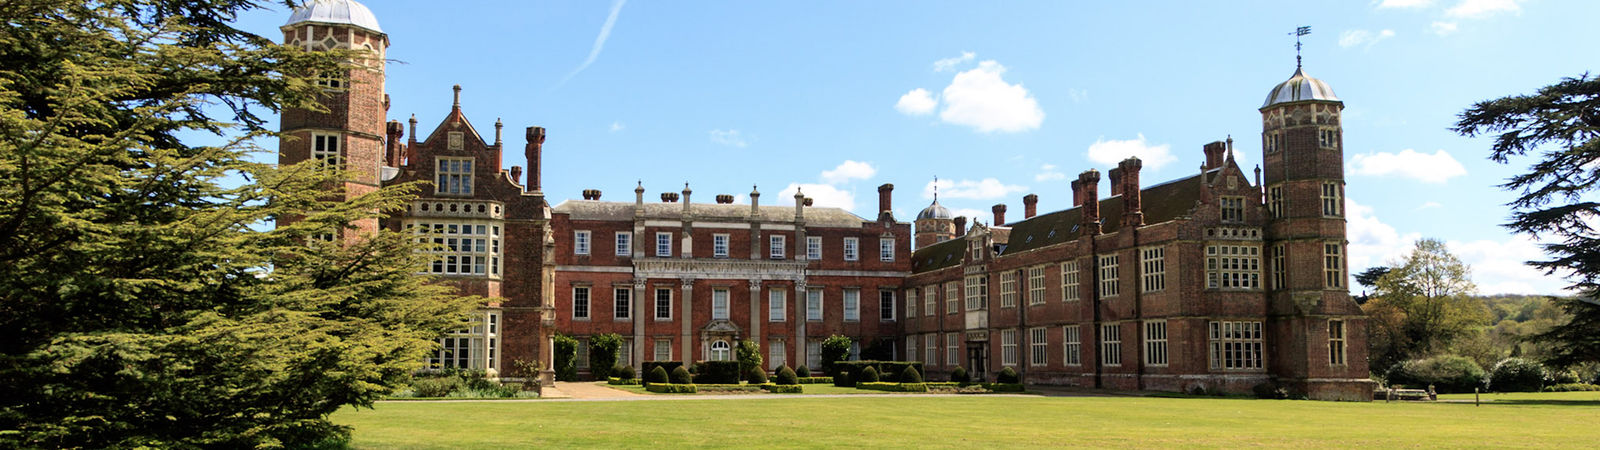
x: 978, y: 360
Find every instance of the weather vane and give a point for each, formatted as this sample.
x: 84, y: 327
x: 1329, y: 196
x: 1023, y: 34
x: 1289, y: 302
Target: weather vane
x: 1299, y: 31
x: 935, y: 188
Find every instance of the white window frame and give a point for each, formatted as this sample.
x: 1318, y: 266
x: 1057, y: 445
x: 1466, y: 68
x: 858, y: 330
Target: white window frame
x: 977, y: 287
x: 1111, y: 344
x: 453, y: 175
x: 1278, y: 260
x: 911, y: 303
x: 1109, y: 275
x: 658, y: 303
x: 1069, y: 282
x: 326, y: 148
x: 852, y: 305
x: 777, y: 246
x: 952, y: 349
x: 1072, y: 345
x: 1008, y: 348
x: 813, y: 305
x: 582, y: 304
x: 777, y: 354
x: 720, y: 304
x: 1336, y: 343
x: 814, y: 354
x: 1275, y: 200
x: 952, y: 297
x: 931, y: 349
x: 1233, y: 267
x: 470, y: 247
x: 1038, y: 347
x: 886, y: 249
x: 1155, y: 343
x: 720, y: 350
x: 852, y: 249
x: 1008, y: 289
x: 814, y: 248
x: 1332, y: 199
x: 777, y: 301
x: 719, y: 245
x: 622, y: 303
x: 1036, y: 289
x: 911, y: 348
x: 1237, y: 345
x: 581, y: 242
x: 1154, y: 264
x: 886, y: 305
x: 624, y: 243
x: 663, y: 244
x: 663, y: 350
x: 1333, y: 265
x: 930, y: 300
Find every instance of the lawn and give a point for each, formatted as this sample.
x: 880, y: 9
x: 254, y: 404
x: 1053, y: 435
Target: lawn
x: 808, y: 389
x: 1557, y: 420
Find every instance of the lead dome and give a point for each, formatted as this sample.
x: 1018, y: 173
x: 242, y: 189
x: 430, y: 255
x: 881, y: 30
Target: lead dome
x: 1298, y: 88
x: 335, y: 12
x: 935, y: 211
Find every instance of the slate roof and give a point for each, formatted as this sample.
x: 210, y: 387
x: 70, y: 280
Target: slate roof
x: 709, y: 212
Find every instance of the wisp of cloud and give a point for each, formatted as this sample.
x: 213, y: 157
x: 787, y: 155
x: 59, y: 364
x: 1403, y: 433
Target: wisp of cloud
x: 599, y: 41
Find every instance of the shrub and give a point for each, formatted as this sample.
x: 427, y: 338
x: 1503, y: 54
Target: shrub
x: 666, y: 366
x: 624, y: 371
x: 894, y: 387
x: 1003, y: 387
x: 910, y: 375
x: 868, y: 375
x: 680, y: 375
x: 1447, y: 373
x: 566, y: 354
x: 1561, y: 377
x: 748, y: 352
x: 803, y: 372
x: 1270, y: 391
x: 836, y: 348
x: 888, y: 371
x: 757, y: 376
x: 717, y: 372
x: 1572, y: 387
x: 1006, y: 376
x: 959, y: 375
x: 782, y: 388
x: 435, y: 386
x: 614, y: 381
x: 603, y: 354
x: 843, y: 379
x: 1516, y: 375
x: 664, y: 388
x: 815, y: 380
x: 657, y: 375
x: 786, y: 376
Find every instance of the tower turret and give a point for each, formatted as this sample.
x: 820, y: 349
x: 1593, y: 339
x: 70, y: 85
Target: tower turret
x: 935, y: 223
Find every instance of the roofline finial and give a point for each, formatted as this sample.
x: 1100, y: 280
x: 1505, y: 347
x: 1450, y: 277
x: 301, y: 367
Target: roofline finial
x: 1299, y: 31
x: 936, y: 189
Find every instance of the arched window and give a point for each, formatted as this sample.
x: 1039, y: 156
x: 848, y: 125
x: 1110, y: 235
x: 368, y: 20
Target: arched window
x: 720, y: 351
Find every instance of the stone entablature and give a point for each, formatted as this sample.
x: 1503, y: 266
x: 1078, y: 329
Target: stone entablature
x: 719, y: 269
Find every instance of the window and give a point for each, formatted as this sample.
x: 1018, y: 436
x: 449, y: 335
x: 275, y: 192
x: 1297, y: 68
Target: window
x: 580, y: 242
x: 719, y: 246
x: 930, y: 300
x: 663, y: 350
x: 852, y: 246
x: 1336, y: 342
x: 1271, y: 142
x: 952, y: 349
x: 1275, y: 201
x: 1233, y: 267
x: 1111, y: 345
x: 1069, y: 281
x: 1332, y: 265
x: 624, y: 303
x: 852, y: 305
x: 455, y: 176
x: 580, y: 302
x: 461, y: 248
x: 583, y: 353
x: 931, y: 349
x: 1108, y: 276
x: 1278, y: 279
x: 814, y: 354
x: 457, y: 353
x: 911, y: 303
x: 719, y: 304
x: 1236, y: 345
x: 977, y: 292
x: 1154, y: 275
x: 1036, y: 285
x: 625, y: 352
x: 776, y: 354
x: 1037, y: 346
x: 813, y: 247
x: 663, y: 304
x: 885, y: 306
x: 1332, y: 201
x: 775, y: 246
x: 776, y: 304
x: 624, y: 243
x: 814, y: 305
x: 911, y: 348
x: 1327, y: 138
x: 952, y: 298
x: 1008, y: 347
x: 330, y: 81
x: 886, y: 249
x: 664, y: 245
x: 471, y: 348
x: 721, y: 351
x: 855, y: 351
x: 1232, y: 209
x: 1008, y: 289
x: 1155, y: 343
x: 1072, y: 347
x: 325, y: 149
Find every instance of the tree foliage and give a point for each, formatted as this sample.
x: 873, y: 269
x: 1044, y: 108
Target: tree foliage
x: 566, y: 357
x: 1422, y: 306
x: 748, y: 352
x: 603, y: 354
x: 1557, y: 195
x: 836, y: 348
x: 144, y: 299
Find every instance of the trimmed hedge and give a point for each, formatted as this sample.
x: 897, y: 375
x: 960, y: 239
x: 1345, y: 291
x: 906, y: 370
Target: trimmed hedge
x: 888, y: 371
x: 814, y: 380
x: 664, y: 365
x: 757, y: 376
x: 844, y: 379
x: 614, y: 381
x: 868, y: 375
x: 665, y: 388
x: 731, y: 387
x: 894, y: 387
x: 910, y: 375
x: 624, y: 371
x: 717, y: 372
x: 1572, y: 387
x: 1003, y: 387
x: 783, y: 388
x: 680, y: 375
x: 803, y: 372
x: 960, y: 375
x: 1006, y: 376
x: 785, y: 376
x: 656, y: 374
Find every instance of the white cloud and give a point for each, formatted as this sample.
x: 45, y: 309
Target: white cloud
x: 951, y: 63
x: 730, y: 138
x: 1443, y: 28
x: 981, y: 99
x: 616, y: 126
x: 1078, y: 95
x: 1404, y: 3
x: 1435, y: 168
x: 1363, y: 38
x: 1112, y: 152
x: 599, y: 41
x: 848, y: 170
x: 985, y: 189
x: 1429, y: 205
x: 918, y: 102
x: 822, y: 195
x: 1372, y: 242
x: 1048, y: 172
x: 1483, y: 8
x: 1497, y: 266
x: 973, y: 215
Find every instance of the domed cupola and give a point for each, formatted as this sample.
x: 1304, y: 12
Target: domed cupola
x: 335, y: 12
x: 1299, y: 88
x: 935, y: 211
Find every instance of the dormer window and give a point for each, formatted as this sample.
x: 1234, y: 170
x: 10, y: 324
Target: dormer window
x: 455, y: 176
x: 1232, y: 209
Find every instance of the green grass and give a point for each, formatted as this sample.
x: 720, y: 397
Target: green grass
x: 809, y: 389
x: 1538, y: 420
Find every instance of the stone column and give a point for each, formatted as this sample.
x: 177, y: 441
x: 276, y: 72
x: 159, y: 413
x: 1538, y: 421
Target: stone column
x: 756, y: 318
x: 639, y: 317
x: 686, y: 319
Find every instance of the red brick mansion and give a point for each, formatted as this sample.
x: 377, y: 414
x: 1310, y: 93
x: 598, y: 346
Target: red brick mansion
x: 1218, y: 282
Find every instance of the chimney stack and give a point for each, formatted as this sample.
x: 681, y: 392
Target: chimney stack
x: 516, y: 174
x: 1077, y: 193
x: 1115, y: 176
x: 755, y: 201
x: 999, y: 214
x: 800, y: 204
x: 535, y: 151
x: 884, y: 202
x: 1030, y: 206
x: 638, y: 196
x: 669, y: 197
x: 724, y: 199
x: 808, y: 201
x: 961, y: 226
x: 1132, y: 198
x: 686, y: 202
x: 1089, y: 181
x: 393, y: 131
x: 498, y: 126
x: 1214, y: 154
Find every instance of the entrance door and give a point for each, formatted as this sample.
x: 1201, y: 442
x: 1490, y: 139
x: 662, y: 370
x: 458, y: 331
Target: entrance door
x: 978, y: 360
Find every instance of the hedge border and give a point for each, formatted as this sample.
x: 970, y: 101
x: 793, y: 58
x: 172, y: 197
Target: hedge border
x: 614, y: 381
x: 783, y: 388
x: 815, y: 380
x: 894, y: 387
x: 667, y: 388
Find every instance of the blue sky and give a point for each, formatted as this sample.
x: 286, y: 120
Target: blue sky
x: 1015, y: 98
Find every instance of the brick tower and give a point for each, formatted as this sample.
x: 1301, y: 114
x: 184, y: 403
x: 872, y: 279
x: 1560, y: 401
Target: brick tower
x: 935, y: 223
x: 1319, y: 330
x: 351, y: 130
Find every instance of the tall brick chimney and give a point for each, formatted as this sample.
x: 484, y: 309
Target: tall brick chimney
x: 885, y: 202
x: 1030, y: 206
x: 961, y: 226
x: 516, y: 174
x: 1132, y: 201
x: 999, y: 214
x: 1214, y: 154
x: 1090, y: 182
x: 1077, y: 193
x: 535, y: 162
x: 1115, y: 176
x: 393, y: 131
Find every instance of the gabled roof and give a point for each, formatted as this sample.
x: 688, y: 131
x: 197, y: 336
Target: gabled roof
x: 623, y: 211
x: 938, y: 256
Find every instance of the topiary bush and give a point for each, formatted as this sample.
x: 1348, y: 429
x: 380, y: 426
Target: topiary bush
x: 624, y: 372
x: 1446, y: 373
x: 959, y: 375
x: 680, y: 375
x: 748, y: 353
x: 786, y: 376
x: 835, y: 348
x: 717, y: 372
x: 1516, y: 375
x: 803, y: 372
x: 757, y: 376
x: 868, y: 375
x: 1006, y: 376
x: 843, y: 379
x: 566, y: 354
x: 910, y: 375
x: 603, y: 350
x: 658, y: 375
